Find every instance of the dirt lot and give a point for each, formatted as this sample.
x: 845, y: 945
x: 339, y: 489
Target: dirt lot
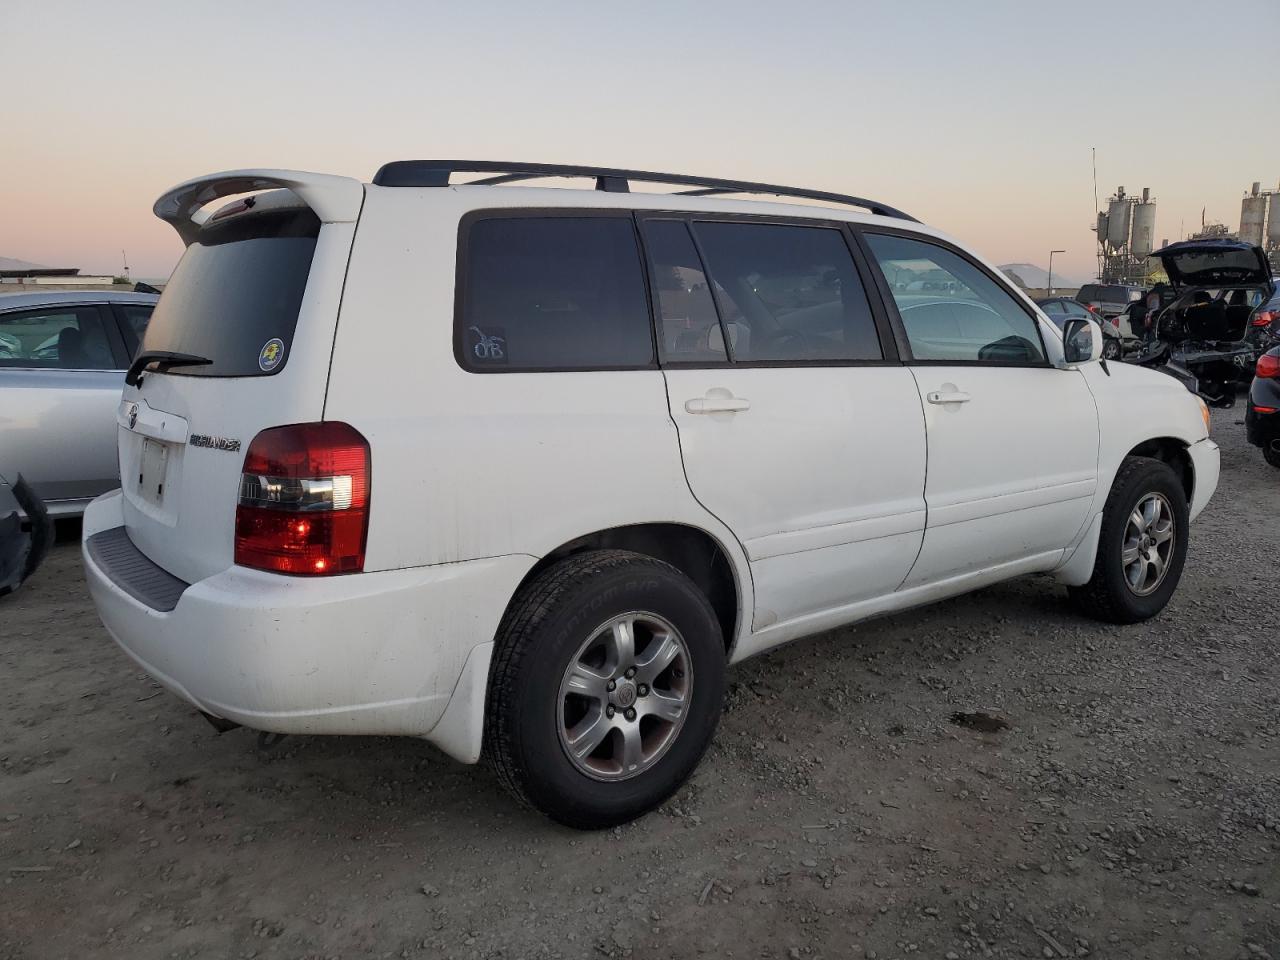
x: 1131, y: 810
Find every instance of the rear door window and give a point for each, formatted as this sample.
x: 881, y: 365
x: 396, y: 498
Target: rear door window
x: 57, y: 338
x: 552, y: 293
x: 688, y: 326
x: 235, y: 294
x: 952, y: 310
x: 787, y: 293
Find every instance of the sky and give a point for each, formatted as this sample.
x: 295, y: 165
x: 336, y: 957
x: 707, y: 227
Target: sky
x: 977, y: 117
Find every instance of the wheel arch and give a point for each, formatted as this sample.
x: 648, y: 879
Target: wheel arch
x: 1175, y: 453
x: 697, y: 554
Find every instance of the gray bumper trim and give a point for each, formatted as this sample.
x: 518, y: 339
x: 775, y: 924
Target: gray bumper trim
x: 130, y: 570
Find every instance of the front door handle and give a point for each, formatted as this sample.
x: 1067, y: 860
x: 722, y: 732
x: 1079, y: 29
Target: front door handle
x: 717, y: 400
x: 951, y: 396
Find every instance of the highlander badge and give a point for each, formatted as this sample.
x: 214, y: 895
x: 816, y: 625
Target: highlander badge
x: 214, y: 443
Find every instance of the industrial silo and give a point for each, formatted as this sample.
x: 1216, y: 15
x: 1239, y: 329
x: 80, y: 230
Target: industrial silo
x: 1253, y: 215
x: 1118, y: 213
x: 1144, y: 225
x: 1273, y: 224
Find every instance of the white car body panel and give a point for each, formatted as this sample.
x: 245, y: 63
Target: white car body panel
x: 1012, y: 470
x: 821, y: 479
x: 840, y: 493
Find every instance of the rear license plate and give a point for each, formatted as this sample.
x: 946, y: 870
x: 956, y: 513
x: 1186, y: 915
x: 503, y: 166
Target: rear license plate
x: 155, y: 461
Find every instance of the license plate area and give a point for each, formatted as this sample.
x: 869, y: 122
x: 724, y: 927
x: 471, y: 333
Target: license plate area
x: 153, y: 467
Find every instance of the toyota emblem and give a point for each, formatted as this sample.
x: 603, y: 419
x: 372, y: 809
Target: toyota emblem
x: 133, y: 415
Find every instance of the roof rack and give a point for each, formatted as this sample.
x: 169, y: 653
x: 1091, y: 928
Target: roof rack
x: 436, y: 173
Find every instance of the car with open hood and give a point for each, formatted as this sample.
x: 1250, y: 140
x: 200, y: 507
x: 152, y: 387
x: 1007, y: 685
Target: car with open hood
x: 1218, y: 286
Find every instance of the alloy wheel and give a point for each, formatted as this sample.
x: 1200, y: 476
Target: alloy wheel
x: 1149, y: 539
x: 624, y: 696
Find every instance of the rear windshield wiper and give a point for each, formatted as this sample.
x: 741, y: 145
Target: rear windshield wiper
x: 162, y: 359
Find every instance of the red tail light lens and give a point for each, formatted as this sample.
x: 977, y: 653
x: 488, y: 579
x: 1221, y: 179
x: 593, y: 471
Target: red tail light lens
x: 1264, y: 318
x: 1268, y: 365
x: 304, y: 500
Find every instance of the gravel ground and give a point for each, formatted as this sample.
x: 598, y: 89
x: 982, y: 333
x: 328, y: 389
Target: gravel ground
x: 1130, y: 809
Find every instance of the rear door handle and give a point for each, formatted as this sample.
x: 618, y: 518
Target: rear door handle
x: 951, y: 396
x: 715, y: 403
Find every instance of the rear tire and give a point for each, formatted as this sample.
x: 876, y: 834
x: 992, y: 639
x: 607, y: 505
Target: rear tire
x: 1142, y: 546
x: 571, y: 732
x: 1271, y: 455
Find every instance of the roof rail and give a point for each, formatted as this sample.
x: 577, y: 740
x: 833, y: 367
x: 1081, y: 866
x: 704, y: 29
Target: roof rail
x: 436, y: 173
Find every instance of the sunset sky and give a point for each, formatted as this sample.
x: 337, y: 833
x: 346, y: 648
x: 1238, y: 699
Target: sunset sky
x: 977, y: 117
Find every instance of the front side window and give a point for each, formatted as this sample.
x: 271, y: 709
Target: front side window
x: 952, y: 310
x: 59, y: 338
x: 787, y: 293
x: 553, y: 293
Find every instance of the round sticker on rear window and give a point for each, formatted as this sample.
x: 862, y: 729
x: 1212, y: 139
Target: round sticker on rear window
x: 271, y: 354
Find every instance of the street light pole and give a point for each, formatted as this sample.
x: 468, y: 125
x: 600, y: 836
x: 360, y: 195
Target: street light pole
x: 1049, y: 292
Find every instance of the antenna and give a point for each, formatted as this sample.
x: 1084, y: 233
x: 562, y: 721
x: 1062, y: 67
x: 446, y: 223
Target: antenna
x: 1095, y: 178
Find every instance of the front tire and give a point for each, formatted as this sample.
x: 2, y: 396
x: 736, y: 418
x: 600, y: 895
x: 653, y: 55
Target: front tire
x: 606, y: 688
x: 1142, y: 547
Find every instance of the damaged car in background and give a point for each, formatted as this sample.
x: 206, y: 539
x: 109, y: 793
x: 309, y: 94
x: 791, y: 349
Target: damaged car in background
x: 25, y: 533
x: 1220, y: 317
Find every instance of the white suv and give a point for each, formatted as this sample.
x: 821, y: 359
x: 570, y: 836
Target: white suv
x: 522, y: 469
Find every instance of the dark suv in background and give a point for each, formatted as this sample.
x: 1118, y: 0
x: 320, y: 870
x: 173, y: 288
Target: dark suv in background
x: 1109, y: 299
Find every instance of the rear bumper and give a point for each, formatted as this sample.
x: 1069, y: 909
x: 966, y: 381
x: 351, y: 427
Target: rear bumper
x: 370, y: 653
x: 1206, y: 462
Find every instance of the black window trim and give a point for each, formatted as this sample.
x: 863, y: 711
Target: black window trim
x: 106, y: 316
x: 469, y: 219
x: 861, y: 231
x: 131, y: 341
x: 884, y: 330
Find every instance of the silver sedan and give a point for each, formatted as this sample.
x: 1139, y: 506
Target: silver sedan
x: 62, y: 360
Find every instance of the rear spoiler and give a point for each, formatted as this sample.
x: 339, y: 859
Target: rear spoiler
x: 332, y: 199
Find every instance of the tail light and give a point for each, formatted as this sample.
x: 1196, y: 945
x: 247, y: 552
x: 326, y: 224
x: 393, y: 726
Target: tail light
x: 1268, y: 366
x: 1264, y: 318
x: 304, y: 500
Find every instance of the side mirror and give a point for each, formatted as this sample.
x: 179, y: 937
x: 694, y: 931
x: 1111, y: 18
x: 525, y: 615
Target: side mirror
x: 1081, y: 341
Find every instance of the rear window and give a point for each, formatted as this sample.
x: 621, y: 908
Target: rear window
x: 553, y: 293
x: 1108, y: 293
x: 235, y: 294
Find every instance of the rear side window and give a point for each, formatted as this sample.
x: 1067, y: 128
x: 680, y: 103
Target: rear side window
x: 57, y: 338
x: 788, y: 293
x: 552, y: 293
x: 235, y: 294
x: 951, y: 309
